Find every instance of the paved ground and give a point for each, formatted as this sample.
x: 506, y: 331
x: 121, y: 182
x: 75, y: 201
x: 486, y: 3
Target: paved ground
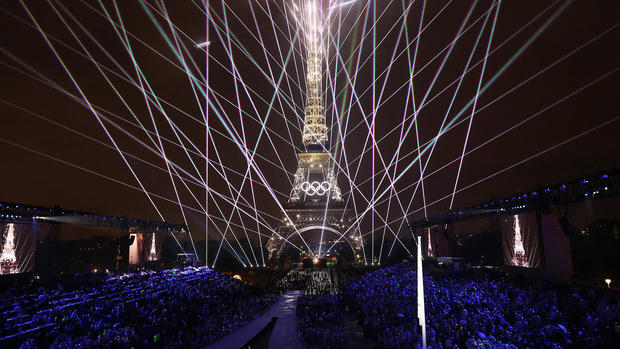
x: 283, y: 335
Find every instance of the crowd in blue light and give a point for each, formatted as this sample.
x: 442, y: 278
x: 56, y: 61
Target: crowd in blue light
x: 179, y: 308
x: 320, y: 321
x: 478, y: 312
x: 166, y: 309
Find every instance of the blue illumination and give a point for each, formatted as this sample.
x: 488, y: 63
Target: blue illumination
x: 562, y: 186
x: 548, y: 190
x: 604, y: 176
x: 584, y: 181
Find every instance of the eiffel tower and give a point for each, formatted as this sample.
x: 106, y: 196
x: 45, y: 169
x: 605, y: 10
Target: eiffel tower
x: 315, y: 209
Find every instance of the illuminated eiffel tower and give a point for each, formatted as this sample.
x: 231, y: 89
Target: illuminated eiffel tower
x: 153, y: 253
x: 315, y: 208
x: 8, y: 261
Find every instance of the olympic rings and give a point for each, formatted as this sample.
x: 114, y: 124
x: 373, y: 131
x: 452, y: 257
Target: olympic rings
x: 315, y: 188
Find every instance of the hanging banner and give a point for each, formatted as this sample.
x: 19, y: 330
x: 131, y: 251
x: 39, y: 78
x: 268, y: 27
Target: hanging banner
x: 520, y: 241
x: 17, y: 248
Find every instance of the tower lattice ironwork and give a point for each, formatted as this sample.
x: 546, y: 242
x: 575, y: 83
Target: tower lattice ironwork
x: 315, y: 209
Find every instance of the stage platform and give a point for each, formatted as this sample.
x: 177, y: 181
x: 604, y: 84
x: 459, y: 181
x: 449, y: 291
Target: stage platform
x: 284, y: 334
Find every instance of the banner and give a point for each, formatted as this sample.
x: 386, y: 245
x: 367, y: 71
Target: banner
x: 17, y: 248
x: 520, y: 241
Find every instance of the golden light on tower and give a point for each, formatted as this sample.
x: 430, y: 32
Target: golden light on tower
x: 311, y: 20
x: 316, y: 199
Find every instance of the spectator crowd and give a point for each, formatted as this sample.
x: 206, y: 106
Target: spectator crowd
x: 193, y: 307
x: 320, y: 321
x: 166, y: 309
x: 311, y: 281
x: 477, y: 312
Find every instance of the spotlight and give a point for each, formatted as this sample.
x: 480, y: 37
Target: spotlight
x: 315, y: 260
x: 608, y: 282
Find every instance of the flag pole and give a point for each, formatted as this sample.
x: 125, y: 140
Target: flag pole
x: 421, y: 312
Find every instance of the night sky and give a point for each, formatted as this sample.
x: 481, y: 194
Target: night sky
x: 566, y: 79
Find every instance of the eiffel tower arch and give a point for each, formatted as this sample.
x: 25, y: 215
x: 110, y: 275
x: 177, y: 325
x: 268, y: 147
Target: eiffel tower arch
x: 320, y: 219
x: 315, y: 214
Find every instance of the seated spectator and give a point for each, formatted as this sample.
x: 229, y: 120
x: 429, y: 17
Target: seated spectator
x: 166, y: 309
x: 467, y: 312
x: 319, y: 321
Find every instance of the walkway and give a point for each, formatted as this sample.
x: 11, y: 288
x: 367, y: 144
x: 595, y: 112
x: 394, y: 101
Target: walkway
x: 284, y: 334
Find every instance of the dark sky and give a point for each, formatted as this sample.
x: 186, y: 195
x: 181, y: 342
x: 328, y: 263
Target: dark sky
x: 566, y: 79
